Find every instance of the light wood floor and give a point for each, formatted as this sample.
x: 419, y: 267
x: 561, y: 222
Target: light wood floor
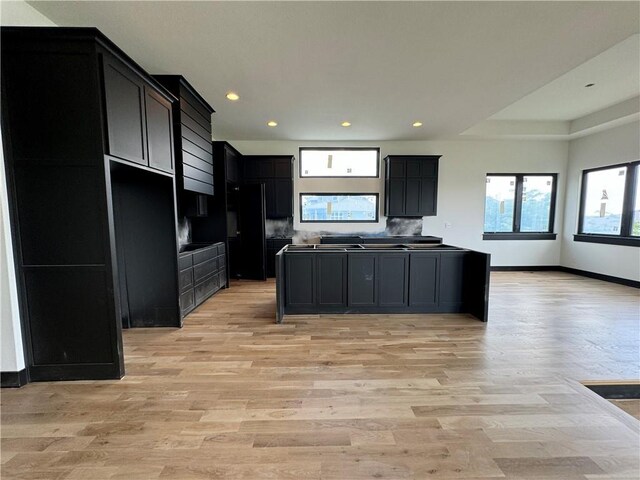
x: 233, y: 395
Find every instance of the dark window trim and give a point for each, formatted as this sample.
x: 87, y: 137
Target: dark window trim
x: 516, y: 234
x: 607, y: 239
x: 300, y: 149
x: 626, y: 220
x: 377, y: 195
x: 519, y: 236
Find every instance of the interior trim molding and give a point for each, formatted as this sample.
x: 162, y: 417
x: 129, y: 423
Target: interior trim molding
x: 559, y: 268
x: 13, y: 379
x: 531, y: 268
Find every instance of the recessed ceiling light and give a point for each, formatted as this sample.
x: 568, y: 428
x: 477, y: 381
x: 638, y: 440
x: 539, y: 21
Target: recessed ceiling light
x: 233, y: 96
x: 346, y: 124
x: 272, y: 123
x: 589, y: 85
x: 417, y: 124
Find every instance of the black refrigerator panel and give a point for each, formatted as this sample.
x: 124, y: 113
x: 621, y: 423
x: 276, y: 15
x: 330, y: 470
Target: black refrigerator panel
x: 251, y: 223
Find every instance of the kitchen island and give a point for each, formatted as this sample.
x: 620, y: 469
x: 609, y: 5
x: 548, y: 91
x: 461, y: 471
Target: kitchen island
x: 382, y: 278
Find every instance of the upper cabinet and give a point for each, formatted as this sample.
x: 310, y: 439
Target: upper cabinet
x: 138, y: 117
x: 276, y: 172
x: 411, y: 185
x: 192, y: 132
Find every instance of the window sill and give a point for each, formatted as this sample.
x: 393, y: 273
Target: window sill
x: 607, y: 239
x: 519, y: 236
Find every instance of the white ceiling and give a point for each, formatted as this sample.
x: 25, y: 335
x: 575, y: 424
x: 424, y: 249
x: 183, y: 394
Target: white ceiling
x: 380, y: 65
x: 615, y: 73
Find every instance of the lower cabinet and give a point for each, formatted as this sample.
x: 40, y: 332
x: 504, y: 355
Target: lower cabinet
x: 451, y: 282
x: 301, y: 285
x: 393, y: 280
x: 274, y: 245
x: 203, y: 272
x: 423, y: 279
x: 363, y: 281
x: 332, y: 279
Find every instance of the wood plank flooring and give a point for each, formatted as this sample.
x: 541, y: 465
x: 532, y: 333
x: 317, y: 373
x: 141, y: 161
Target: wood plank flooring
x: 233, y: 395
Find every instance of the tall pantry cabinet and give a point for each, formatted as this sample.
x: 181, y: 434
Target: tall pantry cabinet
x: 89, y: 156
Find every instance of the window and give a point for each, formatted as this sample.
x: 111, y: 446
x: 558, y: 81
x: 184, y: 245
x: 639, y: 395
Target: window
x: 339, y: 162
x: 610, y: 205
x: 519, y: 207
x: 339, y: 207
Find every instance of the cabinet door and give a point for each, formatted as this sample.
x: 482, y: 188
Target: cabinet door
x: 332, y: 279
x: 283, y: 196
x: 428, y: 196
x: 251, y: 169
x: 251, y: 214
x: 231, y: 166
x: 361, y: 289
x: 266, y: 168
x: 412, y: 198
x: 300, y: 280
x: 392, y: 280
x: 270, y: 197
x: 414, y: 168
x: 451, y: 279
x: 397, y: 168
x: 159, y: 131
x: 423, y: 279
x: 396, y: 197
x: 283, y: 168
x: 430, y: 167
x: 124, y: 98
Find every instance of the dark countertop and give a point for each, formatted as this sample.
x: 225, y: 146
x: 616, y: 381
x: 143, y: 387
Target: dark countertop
x: 390, y: 247
x: 378, y: 238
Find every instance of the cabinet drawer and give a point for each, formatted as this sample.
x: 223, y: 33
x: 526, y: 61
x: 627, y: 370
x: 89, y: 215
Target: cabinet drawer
x: 203, y: 269
x: 186, y: 279
x: 187, y: 302
x: 185, y: 260
x: 221, y: 248
x: 204, y: 254
x: 205, y: 288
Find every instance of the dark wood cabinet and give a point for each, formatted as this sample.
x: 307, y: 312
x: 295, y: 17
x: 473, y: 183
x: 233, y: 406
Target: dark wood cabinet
x: 276, y: 172
x: 88, y: 154
x: 332, y: 280
x: 203, y: 272
x: 302, y: 291
x: 393, y: 280
x: 362, y: 280
x: 159, y: 137
x: 424, y: 279
x: 274, y: 245
x: 124, y: 100
x: 138, y: 118
x: 449, y: 280
x: 232, y: 160
x: 192, y: 141
x: 411, y: 185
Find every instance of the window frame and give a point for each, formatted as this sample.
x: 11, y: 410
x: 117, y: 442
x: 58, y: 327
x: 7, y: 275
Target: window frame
x: 355, y: 194
x: 516, y: 234
x: 632, y: 181
x: 377, y: 149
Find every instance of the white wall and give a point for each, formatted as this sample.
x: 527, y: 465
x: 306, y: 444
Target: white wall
x: 617, y: 145
x: 11, y: 351
x: 461, y: 189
